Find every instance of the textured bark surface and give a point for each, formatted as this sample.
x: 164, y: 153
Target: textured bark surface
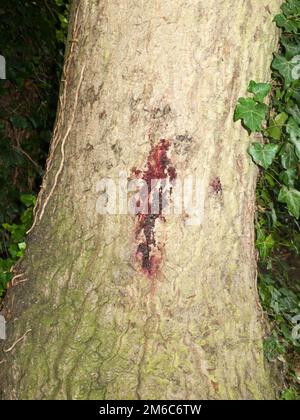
x: 95, y: 326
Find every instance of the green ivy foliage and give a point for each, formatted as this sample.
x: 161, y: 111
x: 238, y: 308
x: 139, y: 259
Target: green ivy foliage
x: 13, y: 241
x: 32, y: 42
x: 33, y: 35
x: 278, y: 194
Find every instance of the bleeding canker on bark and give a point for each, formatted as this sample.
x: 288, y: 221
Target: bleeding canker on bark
x: 158, y: 167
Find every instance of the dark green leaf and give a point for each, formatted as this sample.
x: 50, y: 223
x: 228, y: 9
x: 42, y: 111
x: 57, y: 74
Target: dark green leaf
x: 285, y: 68
x: 294, y: 131
x: 288, y: 156
x: 263, y: 154
x: 260, y: 90
x: 291, y: 197
x: 287, y: 24
x: 275, y: 128
x: 294, y: 112
x: 288, y: 177
x: 291, y: 7
x: 28, y: 199
x: 251, y: 113
x: 264, y: 243
x: 291, y: 48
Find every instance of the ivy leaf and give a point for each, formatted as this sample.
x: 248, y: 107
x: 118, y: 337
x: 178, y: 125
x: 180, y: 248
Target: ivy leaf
x: 288, y: 157
x: 294, y: 112
x: 28, y: 199
x: 281, y: 118
x: 291, y: 48
x: 285, y: 68
x: 260, y: 90
x: 296, y: 92
x: 22, y: 246
x: 291, y: 197
x: 290, y: 8
x: 251, y: 113
x: 270, y: 180
x: 287, y: 24
x: 264, y: 244
x: 294, y: 131
x: 275, y: 128
x: 263, y: 154
x: 288, y: 177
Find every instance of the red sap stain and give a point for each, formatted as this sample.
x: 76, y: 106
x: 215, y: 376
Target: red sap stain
x: 158, y: 166
x: 216, y: 185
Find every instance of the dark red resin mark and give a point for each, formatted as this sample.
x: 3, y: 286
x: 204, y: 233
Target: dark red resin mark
x: 149, y: 252
x: 216, y: 185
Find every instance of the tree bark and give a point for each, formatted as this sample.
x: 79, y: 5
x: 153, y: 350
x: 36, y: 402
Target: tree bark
x: 90, y: 319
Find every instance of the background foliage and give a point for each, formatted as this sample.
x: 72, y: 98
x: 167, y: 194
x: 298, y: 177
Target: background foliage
x: 32, y: 41
x: 278, y: 195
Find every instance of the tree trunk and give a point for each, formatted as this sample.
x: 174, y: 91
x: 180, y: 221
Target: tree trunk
x: 100, y: 312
